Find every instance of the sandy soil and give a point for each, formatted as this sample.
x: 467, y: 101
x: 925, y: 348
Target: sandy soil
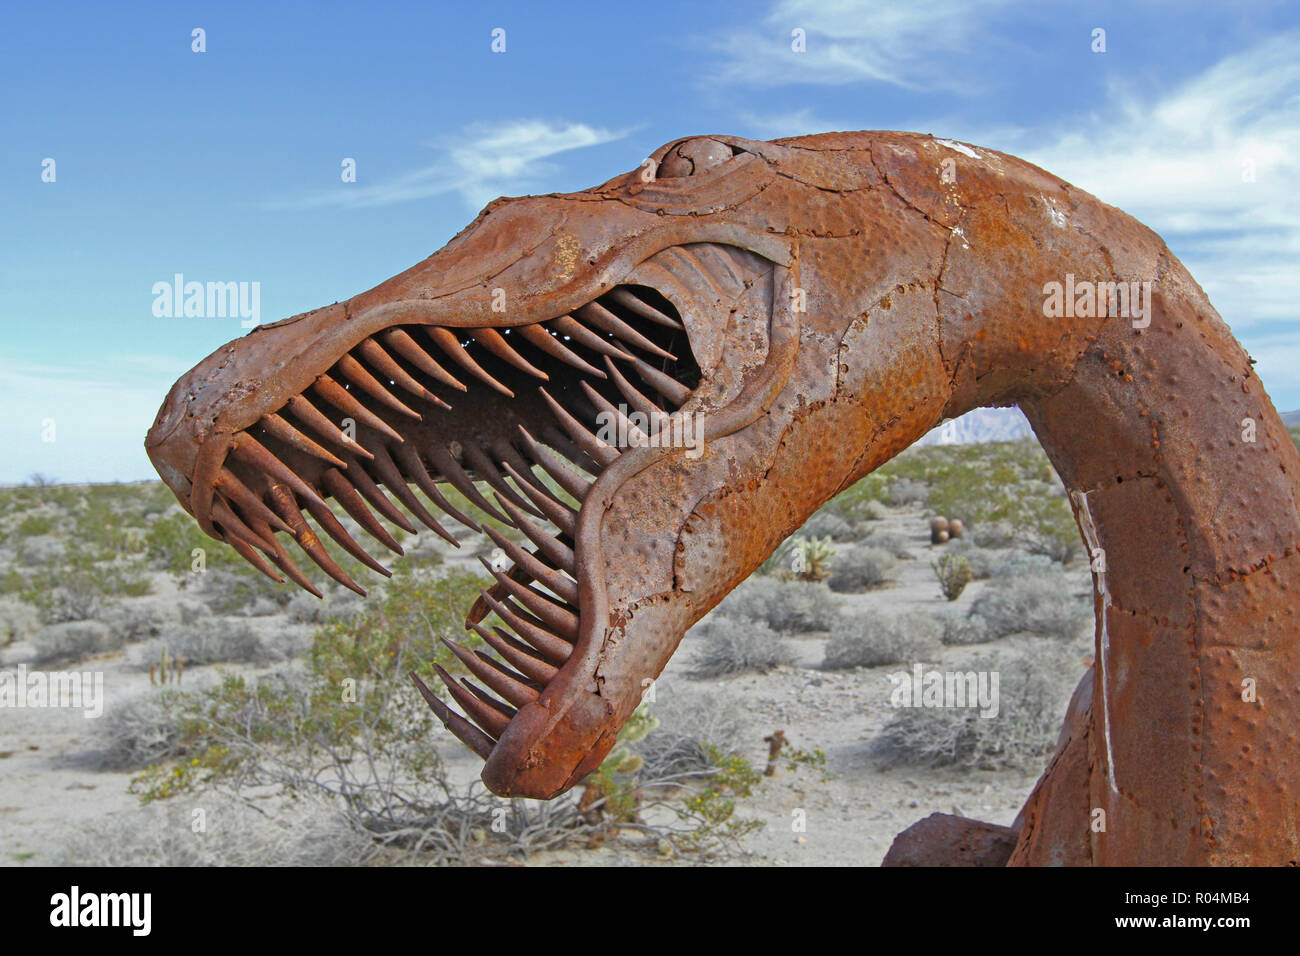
x: 49, y: 786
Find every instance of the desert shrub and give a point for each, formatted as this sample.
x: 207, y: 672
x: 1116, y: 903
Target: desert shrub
x: 694, y: 729
x: 40, y: 550
x: 729, y: 646
x: 141, y: 731
x: 966, y: 629
x: 1035, y: 603
x: 18, y: 621
x: 982, y: 561
x: 219, y: 641
x: 890, y: 541
x: 227, y: 590
x: 873, y: 510
x: 785, y: 606
x: 1050, y: 529
x: 1033, y: 691
x: 871, y: 640
x: 860, y: 569
x: 953, y: 572
x: 34, y: 525
x: 994, y: 534
x: 72, y: 640
x: 138, y: 620
x: 907, y: 491
x: 828, y: 524
x: 234, y: 835
x: 1023, y: 565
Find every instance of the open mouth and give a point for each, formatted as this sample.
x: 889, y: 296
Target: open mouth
x: 522, y: 420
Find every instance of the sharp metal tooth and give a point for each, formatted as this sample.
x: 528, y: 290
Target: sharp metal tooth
x: 563, y: 585
x: 558, y: 513
x: 628, y: 300
x: 607, y: 321
x: 409, y: 460
x: 450, y: 344
x: 520, y: 655
x: 375, y: 495
x: 334, y: 528
x: 282, y: 559
x: 282, y: 430
x: 347, y: 403
x: 246, y: 551
x: 489, y: 718
x: 665, y: 385
x: 231, y: 522
x: 396, y: 482
x: 347, y: 496
x: 385, y: 364
x: 310, y: 415
x: 489, y: 472
x: 559, y: 442
x: 506, y: 453
x: 635, y: 435
x: 498, y: 705
x: 556, y: 551
x: 567, y: 325
x: 554, y: 649
x: 450, y: 469
x: 552, y: 346
x: 496, y: 343
x: 555, y: 466
x: 649, y: 409
x: 284, y: 501
x: 252, y: 452
x: 558, y: 620
x: 467, y: 733
x: 357, y: 374
x: 514, y: 687
x: 600, y: 452
x: 228, y: 483
x: 409, y: 349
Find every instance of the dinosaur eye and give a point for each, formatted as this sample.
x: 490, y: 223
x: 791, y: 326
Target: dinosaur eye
x: 693, y: 157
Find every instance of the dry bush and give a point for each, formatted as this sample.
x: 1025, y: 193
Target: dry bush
x: 1034, y: 688
x: 18, y: 621
x: 860, y: 569
x: 890, y: 541
x: 790, y: 607
x: 872, y: 640
x: 1037, y: 602
x: 72, y: 641
x: 730, y: 646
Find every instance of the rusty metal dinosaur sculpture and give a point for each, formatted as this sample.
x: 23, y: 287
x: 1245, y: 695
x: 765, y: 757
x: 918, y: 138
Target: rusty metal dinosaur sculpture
x: 815, y: 305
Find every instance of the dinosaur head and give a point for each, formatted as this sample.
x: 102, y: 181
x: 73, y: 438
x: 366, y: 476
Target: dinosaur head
x: 659, y: 379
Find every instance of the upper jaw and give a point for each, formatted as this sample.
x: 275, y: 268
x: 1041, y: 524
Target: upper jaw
x: 220, y: 442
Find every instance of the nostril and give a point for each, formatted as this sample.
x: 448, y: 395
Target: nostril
x: 692, y: 157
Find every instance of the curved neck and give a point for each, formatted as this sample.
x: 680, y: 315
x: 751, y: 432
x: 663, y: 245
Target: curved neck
x: 1185, y: 481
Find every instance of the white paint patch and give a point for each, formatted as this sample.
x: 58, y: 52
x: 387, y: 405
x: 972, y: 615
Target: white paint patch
x: 1080, y: 500
x: 1058, y: 217
x: 959, y: 147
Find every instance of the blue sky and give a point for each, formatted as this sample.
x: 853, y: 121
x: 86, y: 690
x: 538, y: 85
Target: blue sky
x: 225, y: 165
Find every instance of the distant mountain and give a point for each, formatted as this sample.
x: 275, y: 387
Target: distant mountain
x: 981, y: 425
x: 1291, y: 419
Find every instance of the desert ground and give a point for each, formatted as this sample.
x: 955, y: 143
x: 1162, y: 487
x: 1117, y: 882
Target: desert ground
x: 223, y: 738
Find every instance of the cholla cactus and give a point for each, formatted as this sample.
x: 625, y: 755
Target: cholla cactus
x: 954, y: 573
x: 810, y: 559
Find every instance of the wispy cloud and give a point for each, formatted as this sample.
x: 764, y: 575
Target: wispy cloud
x: 481, y: 162
x: 1212, y: 166
x: 922, y: 44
